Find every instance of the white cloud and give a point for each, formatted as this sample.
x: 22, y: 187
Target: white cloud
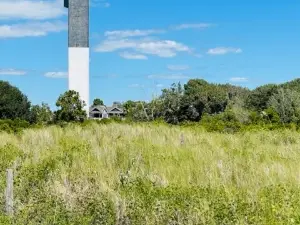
x: 31, y: 29
x: 36, y: 14
x: 223, y: 51
x: 12, y: 72
x: 113, y: 45
x: 128, y: 55
x: 30, y: 9
x: 169, y: 77
x: 136, y: 86
x: 239, y: 79
x: 159, y: 85
x: 143, y: 44
x: 178, y: 67
x: 161, y: 48
x: 165, y: 48
x: 117, y: 34
x: 192, y: 26
x: 56, y: 74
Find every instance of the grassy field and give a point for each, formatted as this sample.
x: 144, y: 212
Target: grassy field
x: 151, y: 174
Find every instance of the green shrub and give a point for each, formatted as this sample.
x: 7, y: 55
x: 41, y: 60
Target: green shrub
x: 223, y: 122
x: 271, y: 116
x: 13, y: 126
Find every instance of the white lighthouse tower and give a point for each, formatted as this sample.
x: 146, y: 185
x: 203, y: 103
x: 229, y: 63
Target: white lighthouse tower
x: 78, y: 38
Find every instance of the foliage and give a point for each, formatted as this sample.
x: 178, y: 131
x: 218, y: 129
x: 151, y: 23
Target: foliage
x: 258, y: 99
x: 13, y: 126
x: 271, y: 116
x: 292, y: 85
x: 241, y: 114
x: 211, y: 98
x: 41, y: 114
x: 266, y: 104
x: 98, y: 101
x: 189, y: 103
x: 71, y: 108
x: 142, y: 111
x: 223, y: 122
x: 128, y: 108
x: 171, y: 103
x: 13, y: 103
x: 286, y: 103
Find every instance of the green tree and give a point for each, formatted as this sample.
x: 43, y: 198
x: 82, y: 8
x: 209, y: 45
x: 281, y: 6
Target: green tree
x: 143, y: 111
x: 286, y: 103
x: 41, y: 114
x: 97, y: 101
x: 196, y: 98
x: 13, y: 103
x: 137, y: 111
x: 171, y: 100
x: 128, y: 107
x: 155, y: 109
x: 270, y: 115
x: 240, y: 113
x: 236, y: 106
x: 202, y: 97
x: 258, y: 98
x: 292, y: 85
x: 71, y: 108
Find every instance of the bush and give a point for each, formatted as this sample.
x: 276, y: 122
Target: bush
x: 223, y: 122
x: 41, y: 114
x: 271, y: 116
x: 286, y: 104
x: 13, y: 126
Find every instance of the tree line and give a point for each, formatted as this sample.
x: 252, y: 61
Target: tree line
x: 196, y: 101
x: 17, y: 112
x: 222, y: 104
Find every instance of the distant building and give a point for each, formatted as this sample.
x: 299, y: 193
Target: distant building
x: 104, y: 112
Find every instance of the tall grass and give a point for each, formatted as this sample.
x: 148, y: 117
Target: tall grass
x: 152, y: 174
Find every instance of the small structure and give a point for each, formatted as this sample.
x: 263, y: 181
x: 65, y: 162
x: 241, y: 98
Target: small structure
x: 104, y: 112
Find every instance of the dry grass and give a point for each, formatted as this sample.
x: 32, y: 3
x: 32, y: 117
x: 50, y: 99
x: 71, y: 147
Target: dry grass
x: 103, y: 157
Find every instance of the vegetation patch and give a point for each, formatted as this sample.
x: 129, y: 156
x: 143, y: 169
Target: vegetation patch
x: 151, y: 174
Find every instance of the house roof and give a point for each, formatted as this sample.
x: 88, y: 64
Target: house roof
x: 107, y: 109
x: 115, y: 110
x: 97, y: 109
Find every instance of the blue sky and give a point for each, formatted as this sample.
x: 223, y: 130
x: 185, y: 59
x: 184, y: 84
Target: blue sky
x: 139, y: 47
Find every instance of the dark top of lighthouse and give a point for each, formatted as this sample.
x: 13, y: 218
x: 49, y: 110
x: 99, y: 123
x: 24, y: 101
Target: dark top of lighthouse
x: 66, y: 3
x: 78, y: 22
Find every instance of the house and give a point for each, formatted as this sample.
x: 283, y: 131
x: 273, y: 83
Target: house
x: 104, y: 112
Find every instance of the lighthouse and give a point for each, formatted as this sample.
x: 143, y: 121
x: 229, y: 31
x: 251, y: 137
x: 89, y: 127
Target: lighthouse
x: 78, y: 48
